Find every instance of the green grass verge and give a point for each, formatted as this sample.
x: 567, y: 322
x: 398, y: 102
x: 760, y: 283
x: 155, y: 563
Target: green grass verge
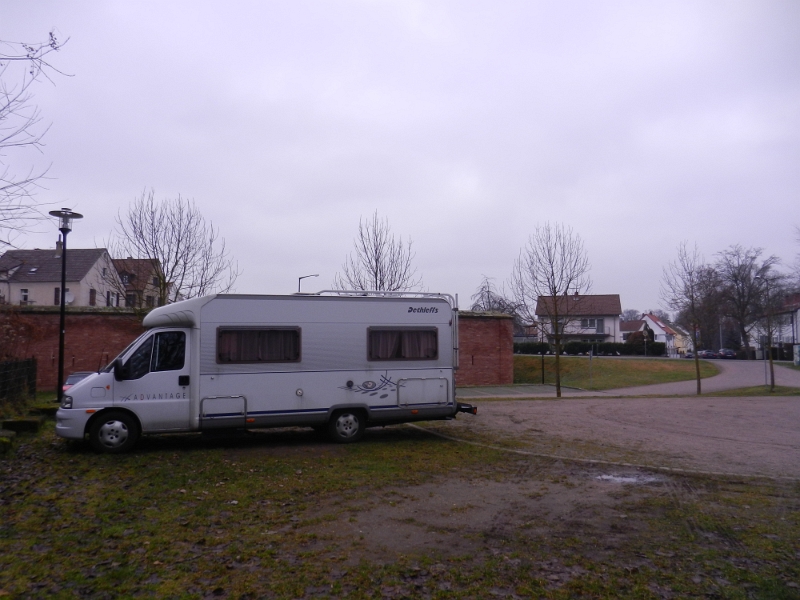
x: 604, y: 373
x: 184, y: 517
x: 758, y: 390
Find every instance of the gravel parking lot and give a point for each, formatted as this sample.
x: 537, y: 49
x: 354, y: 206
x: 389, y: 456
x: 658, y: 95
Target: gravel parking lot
x: 744, y: 436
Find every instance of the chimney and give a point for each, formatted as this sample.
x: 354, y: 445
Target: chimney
x: 59, y: 245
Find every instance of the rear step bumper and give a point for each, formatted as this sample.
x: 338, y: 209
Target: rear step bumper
x: 466, y: 408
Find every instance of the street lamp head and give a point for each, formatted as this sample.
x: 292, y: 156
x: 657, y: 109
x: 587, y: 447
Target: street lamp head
x: 65, y: 217
x: 299, y: 279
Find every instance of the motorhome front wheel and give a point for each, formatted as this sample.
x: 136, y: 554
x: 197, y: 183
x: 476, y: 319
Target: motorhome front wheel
x: 114, y: 432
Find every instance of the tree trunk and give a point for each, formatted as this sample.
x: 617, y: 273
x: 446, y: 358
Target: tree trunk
x: 558, y: 366
x: 746, y: 340
x: 696, y: 358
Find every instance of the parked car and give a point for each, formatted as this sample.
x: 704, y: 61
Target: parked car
x: 689, y: 354
x: 707, y: 354
x: 74, y: 378
x: 726, y: 353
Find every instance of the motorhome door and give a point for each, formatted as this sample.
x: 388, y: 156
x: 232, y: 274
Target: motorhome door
x: 155, y: 381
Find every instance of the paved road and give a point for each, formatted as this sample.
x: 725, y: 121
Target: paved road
x: 733, y: 374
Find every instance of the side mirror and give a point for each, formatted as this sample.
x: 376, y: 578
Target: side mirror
x: 119, y: 370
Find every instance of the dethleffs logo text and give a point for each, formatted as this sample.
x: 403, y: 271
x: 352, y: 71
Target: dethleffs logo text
x: 423, y: 309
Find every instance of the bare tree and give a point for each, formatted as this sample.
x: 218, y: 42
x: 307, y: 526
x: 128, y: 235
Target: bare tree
x: 187, y: 255
x: 488, y: 299
x: 21, y: 65
x: 796, y: 274
x: 631, y: 314
x: 686, y: 285
x: 742, y: 273
x: 551, y: 266
x: 380, y: 262
x: 772, y: 290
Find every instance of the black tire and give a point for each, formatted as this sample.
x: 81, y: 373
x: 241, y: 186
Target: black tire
x: 114, y: 432
x: 347, y: 426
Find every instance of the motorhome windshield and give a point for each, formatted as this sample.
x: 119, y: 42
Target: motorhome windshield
x: 110, y: 366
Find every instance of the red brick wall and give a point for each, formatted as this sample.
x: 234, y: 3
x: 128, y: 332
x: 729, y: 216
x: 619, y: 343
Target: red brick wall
x: 486, y: 349
x: 92, y: 339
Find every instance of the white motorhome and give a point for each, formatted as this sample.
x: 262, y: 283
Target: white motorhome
x: 334, y: 361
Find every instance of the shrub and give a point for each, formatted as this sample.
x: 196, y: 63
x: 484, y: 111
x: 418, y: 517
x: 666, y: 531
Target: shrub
x: 531, y: 348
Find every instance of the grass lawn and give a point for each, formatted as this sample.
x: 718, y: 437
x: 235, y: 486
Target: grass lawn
x: 758, y: 390
x: 606, y: 373
x: 254, y: 516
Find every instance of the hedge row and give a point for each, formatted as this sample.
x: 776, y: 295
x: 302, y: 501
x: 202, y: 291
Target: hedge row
x: 599, y: 349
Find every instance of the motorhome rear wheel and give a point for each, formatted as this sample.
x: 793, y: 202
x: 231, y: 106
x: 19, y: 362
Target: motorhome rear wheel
x: 347, y: 426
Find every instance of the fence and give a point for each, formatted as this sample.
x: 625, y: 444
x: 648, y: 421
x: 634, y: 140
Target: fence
x: 17, y: 379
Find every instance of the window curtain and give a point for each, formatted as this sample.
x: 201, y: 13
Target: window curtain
x: 258, y: 345
x: 384, y: 345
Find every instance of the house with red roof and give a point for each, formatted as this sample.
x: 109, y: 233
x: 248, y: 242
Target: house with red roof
x: 585, y: 318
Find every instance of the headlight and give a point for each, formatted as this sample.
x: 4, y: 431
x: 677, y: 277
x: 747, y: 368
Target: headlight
x: 66, y: 401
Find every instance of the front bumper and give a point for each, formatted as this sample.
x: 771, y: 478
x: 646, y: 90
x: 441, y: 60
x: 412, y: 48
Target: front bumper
x: 71, y: 422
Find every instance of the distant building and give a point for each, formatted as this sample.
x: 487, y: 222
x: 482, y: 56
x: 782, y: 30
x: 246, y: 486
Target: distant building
x: 587, y: 318
x: 33, y: 277
x: 629, y: 327
x: 140, y: 281
x: 664, y: 333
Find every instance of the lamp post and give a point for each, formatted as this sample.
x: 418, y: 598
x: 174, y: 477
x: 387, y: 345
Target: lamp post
x: 65, y: 217
x: 299, y: 279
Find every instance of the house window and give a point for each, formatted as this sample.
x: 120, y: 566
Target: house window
x: 57, y: 295
x: 258, y: 345
x: 588, y: 323
x: 125, y: 279
x: 92, y: 297
x: 130, y: 300
x: 402, y: 344
x: 23, y: 296
x: 155, y: 281
x: 105, y: 271
x: 150, y: 301
x: 108, y: 299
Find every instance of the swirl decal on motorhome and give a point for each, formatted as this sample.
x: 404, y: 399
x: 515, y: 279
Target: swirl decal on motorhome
x: 384, y: 387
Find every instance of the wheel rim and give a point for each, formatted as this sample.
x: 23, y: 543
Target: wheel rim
x: 113, y: 434
x: 347, y: 425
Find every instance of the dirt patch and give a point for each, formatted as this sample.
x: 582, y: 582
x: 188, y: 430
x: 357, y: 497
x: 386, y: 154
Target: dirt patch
x: 527, y: 501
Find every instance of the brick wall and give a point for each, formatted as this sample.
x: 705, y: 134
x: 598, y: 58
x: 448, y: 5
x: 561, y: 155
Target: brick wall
x: 486, y: 349
x: 93, y: 338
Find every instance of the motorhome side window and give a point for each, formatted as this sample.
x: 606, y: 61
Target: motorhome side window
x: 163, y: 351
x: 258, y: 345
x: 402, y: 344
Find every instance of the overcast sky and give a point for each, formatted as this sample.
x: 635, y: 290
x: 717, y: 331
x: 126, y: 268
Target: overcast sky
x: 638, y: 124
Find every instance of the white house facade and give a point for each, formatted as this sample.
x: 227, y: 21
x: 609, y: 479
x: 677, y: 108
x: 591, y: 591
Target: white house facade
x: 587, y: 318
x: 33, y: 277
